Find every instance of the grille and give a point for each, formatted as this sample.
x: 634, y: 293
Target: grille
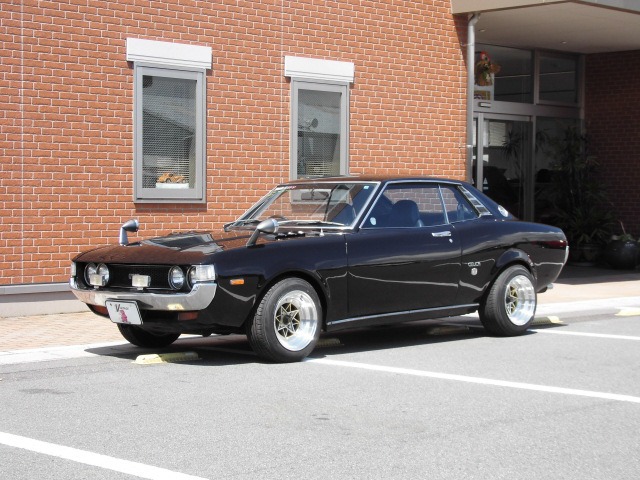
x: 120, y: 275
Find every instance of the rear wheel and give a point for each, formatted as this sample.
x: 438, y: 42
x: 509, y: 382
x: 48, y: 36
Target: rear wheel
x: 510, y: 306
x: 142, y: 338
x: 286, y: 325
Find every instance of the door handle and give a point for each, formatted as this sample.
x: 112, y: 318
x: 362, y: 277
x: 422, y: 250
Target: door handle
x: 446, y: 233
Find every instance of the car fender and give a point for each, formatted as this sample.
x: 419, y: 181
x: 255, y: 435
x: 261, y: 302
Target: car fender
x: 316, y: 281
x: 329, y: 285
x: 317, y: 260
x: 511, y: 257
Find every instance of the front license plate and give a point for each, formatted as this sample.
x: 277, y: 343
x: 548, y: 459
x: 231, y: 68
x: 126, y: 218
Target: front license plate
x: 124, y: 312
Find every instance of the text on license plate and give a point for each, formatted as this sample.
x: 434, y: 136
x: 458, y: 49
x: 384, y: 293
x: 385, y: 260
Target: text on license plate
x: 124, y: 312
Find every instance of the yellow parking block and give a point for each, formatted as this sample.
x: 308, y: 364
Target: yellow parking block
x: 173, y: 357
x: 628, y: 312
x: 550, y: 320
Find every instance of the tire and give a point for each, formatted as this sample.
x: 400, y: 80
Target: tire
x: 510, y: 305
x: 287, y: 322
x: 142, y: 338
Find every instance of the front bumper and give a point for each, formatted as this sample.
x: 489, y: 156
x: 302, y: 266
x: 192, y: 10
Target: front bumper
x: 198, y: 298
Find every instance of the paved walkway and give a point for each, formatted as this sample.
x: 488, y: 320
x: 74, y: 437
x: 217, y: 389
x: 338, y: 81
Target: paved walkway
x: 576, y: 284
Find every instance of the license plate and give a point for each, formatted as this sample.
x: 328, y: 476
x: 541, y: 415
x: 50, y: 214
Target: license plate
x: 124, y: 312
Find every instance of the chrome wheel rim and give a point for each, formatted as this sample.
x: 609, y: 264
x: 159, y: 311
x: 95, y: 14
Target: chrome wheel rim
x: 520, y: 300
x: 295, y: 320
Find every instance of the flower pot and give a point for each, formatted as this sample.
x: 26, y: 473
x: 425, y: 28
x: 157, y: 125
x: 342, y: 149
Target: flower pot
x: 622, y: 254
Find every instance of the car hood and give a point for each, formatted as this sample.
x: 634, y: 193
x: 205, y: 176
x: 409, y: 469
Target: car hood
x: 183, y: 248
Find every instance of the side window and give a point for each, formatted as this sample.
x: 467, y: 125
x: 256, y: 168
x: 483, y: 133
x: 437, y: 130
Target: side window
x: 169, y: 126
x: 407, y: 206
x: 457, y: 206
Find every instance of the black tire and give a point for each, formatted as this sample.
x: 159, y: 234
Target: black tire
x: 142, y: 338
x: 510, y: 306
x: 287, y: 322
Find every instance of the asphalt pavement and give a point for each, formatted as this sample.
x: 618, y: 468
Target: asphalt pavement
x: 577, y: 285
x: 410, y: 401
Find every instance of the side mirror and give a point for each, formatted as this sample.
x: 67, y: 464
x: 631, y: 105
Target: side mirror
x: 268, y: 226
x: 130, y: 226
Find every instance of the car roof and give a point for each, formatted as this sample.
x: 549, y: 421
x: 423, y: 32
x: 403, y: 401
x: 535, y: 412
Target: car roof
x: 373, y: 178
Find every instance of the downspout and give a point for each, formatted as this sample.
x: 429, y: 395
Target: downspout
x: 471, y: 47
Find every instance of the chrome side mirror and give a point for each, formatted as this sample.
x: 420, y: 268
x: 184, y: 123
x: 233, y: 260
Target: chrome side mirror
x: 130, y: 226
x: 268, y: 226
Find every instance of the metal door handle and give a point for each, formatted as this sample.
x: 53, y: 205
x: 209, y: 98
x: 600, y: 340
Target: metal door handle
x: 441, y: 234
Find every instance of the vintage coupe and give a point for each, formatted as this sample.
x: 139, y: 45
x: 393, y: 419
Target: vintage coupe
x: 327, y: 254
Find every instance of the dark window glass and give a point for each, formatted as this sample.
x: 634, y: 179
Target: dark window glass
x: 558, y: 79
x: 513, y: 77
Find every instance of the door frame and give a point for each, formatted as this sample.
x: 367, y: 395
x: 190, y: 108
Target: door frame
x: 481, y: 119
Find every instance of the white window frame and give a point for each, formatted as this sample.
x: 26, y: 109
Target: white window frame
x: 296, y: 86
x: 319, y: 75
x: 165, y: 59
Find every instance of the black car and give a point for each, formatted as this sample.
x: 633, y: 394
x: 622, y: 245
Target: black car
x: 327, y: 254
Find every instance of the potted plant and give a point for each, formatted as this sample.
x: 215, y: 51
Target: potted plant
x: 579, y: 198
x: 622, y: 251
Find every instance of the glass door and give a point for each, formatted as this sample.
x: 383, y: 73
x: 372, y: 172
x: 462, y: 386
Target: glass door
x: 502, y: 166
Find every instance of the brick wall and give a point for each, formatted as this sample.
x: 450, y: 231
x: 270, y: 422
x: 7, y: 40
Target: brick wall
x: 612, y: 116
x: 66, y: 97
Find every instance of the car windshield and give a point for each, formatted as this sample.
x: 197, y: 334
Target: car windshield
x: 319, y: 204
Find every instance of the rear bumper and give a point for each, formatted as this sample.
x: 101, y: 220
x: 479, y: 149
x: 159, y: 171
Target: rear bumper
x: 198, y: 298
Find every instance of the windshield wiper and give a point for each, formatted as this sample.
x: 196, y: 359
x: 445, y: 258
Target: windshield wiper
x: 313, y: 223
x: 241, y: 223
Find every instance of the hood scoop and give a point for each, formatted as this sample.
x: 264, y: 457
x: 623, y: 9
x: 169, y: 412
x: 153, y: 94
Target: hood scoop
x: 185, y: 241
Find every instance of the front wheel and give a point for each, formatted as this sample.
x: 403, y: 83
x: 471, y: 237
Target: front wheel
x: 286, y: 325
x: 142, y: 338
x: 510, y: 305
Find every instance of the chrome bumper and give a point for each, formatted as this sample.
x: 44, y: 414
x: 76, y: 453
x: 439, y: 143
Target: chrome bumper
x: 197, y: 299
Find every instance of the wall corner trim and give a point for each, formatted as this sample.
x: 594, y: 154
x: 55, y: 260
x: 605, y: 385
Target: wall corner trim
x: 168, y: 53
x: 319, y: 70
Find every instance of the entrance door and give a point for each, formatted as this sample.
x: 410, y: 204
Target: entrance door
x: 502, y: 167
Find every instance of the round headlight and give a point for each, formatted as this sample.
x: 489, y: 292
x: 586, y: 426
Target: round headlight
x: 103, y: 271
x: 176, y: 278
x: 89, y: 270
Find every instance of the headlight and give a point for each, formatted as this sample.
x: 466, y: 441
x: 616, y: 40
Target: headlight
x: 176, y: 278
x: 103, y: 272
x: 201, y: 273
x: 97, y: 276
x: 89, y: 270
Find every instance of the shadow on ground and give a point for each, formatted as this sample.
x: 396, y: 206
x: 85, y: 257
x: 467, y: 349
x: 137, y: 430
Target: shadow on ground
x: 235, y: 349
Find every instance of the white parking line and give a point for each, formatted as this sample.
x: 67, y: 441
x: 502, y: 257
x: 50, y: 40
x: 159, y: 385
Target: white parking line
x: 95, y: 459
x: 45, y: 354
x: 603, y: 304
x: 586, y: 334
x: 477, y: 380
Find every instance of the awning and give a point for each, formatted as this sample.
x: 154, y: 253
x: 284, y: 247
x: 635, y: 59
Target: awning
x: 587, y: 26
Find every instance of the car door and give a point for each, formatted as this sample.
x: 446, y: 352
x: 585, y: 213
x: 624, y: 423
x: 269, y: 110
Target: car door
x: 406, y: 256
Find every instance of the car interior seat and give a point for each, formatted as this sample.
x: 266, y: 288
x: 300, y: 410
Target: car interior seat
x: 346, y: 214
x: 405, y: 213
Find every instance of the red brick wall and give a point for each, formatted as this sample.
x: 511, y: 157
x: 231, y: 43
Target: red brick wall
x: 612, y: 115
x: 66, y: 97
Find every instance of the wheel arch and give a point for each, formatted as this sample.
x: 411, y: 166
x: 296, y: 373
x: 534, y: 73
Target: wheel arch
x: 312, y: 280
x: 511, y: 257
